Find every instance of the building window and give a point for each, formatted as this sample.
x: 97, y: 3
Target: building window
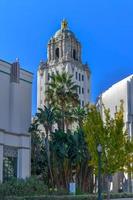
x: 79, y: 77
x: 79, y: 90
x: 9, y: 168
x: 82, y: 77
x: 57, y: 52
x: 88, y: 91
x: 48, y: 76
x: 82, y: 90
x: 76, y: 75
x: 82, y: 103
x: 74, y: 54
x: 9, y: 162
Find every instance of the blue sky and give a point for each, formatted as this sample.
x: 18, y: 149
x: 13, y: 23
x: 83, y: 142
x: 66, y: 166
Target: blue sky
x: 104, y: 28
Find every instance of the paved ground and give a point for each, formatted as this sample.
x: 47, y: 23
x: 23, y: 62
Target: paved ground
x: 124, y: 199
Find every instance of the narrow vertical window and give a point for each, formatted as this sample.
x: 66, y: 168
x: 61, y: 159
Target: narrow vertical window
x: 57, y: 52
x: 79, y: 77
x: 82, y: 77
x: 48, y: 76
x: 74, y: 54
x: 76, y: 75
x: 79, y: 90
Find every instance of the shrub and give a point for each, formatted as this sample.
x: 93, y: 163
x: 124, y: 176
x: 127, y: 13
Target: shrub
x: 20, y: 187
x: 70, y: 197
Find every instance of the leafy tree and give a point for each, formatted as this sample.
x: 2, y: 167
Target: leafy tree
x: 70, y: 158
x: 46, y: 118
x: 79, y: 115
x: 66, y: 150
x: 37, y: 157
x: 62, y: 95
x: 111, y: 134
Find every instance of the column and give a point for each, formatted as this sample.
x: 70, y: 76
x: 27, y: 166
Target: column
x: 24, y: 163
x: 1, y: 162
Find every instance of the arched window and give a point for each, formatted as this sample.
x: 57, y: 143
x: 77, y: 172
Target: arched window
x: 74, y: 54
x: 57, y: 52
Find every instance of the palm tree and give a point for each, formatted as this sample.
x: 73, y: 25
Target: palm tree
x: 35, y: 146
x: 79, y: 115
x: 46, y: 118
x: 62, y: 94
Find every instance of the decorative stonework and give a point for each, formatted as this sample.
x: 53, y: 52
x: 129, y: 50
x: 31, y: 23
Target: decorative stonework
x: 63, y: 54
x: 15, y: 72
x: 9, y: 151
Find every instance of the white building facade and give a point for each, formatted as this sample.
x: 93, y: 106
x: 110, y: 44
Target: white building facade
x: 64, y: 54
x: 122, y: 90
x: 15, y: 119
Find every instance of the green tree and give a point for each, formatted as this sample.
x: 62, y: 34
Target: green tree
x: 79, y: 115
x: 62, y: 94
x: 66, y: 150
x: 37, y: 150
x: 111, y: 134
x: 46, y: 118
x: 70, y: 159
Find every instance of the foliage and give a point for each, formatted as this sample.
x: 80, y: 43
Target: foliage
x: 38, y: 160
x: 117, y: 147
x: 62, y: 95
x: 65, y: 154
x: 70, y: 156
x: 19, y: 187
x: 69, y: 197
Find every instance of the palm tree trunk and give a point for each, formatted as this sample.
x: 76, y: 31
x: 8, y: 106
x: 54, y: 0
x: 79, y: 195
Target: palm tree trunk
x: 48, y: 157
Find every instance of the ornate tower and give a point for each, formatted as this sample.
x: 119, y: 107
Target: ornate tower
x: 64, y: 54
x: 63, y: 46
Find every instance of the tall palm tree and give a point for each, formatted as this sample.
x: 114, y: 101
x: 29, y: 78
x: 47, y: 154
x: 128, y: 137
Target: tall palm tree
x: 35, y: 146
x: 46, y: 118
x: 79, y: 115
x: 62, y: 94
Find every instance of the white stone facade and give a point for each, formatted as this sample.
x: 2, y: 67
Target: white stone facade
x: 64, y: 54
x: 15, y: 119
x: 123, y: 90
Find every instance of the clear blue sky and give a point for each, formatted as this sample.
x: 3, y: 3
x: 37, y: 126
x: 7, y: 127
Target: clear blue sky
x: 104, y: 27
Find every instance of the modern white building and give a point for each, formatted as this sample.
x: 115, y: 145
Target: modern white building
x: 15, y: 118
x: 122, y: 90
x: 63, y: 54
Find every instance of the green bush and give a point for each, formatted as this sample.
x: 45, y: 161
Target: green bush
x: 35, y: 189
x: 70, y: 197
x: 19, y: 187
x: 51, y: 197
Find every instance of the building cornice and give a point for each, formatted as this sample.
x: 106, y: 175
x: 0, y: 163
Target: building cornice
x: 20, y: 78
x: 15, y: 134
x: 18, y: 147
x: 20, y: 67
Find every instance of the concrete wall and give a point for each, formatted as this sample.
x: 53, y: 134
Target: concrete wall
x: 123, y: 90
x: 15, y: 117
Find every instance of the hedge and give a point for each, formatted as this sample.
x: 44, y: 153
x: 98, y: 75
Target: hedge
x: 35, y: 189
x: 70, y: 197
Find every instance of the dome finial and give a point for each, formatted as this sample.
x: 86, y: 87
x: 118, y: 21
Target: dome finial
x: 64, y: 24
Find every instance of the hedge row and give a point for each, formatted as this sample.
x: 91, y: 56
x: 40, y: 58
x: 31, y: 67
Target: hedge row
x: 70, y: 197
x: 20, y: 187
x: 34, y: 189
